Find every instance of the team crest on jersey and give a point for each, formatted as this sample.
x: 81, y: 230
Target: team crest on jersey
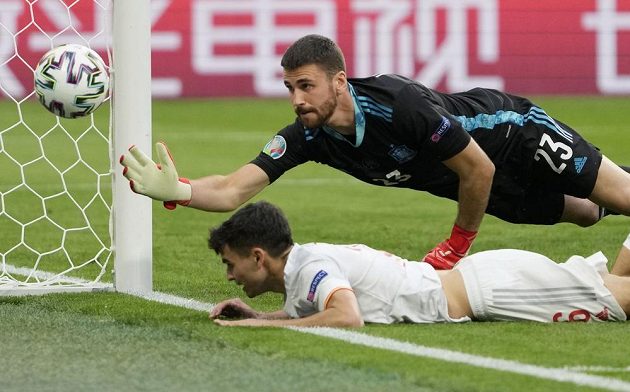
x: 276, y: 147
x: 402, y: 153
x: 441, y: 130
x: 314, y: 283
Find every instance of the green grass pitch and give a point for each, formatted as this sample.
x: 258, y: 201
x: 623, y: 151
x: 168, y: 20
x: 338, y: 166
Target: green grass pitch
x: 111, y: 341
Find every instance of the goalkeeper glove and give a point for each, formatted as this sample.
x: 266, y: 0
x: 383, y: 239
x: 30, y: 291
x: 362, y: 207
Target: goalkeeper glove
x: 448, y: 252
x: 158, y: 181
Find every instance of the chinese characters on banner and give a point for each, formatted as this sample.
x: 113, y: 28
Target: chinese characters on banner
x: 233, y: 47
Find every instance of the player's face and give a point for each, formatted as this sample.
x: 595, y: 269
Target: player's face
x: 312, y: 94
x: 245, y: 271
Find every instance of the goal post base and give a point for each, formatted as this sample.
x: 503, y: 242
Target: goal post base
x: 19, y: 291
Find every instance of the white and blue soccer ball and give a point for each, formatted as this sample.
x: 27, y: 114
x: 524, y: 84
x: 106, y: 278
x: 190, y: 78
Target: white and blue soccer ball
x: 71, y: 80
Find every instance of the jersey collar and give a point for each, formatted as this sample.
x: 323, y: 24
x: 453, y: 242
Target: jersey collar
x: 359, y: 122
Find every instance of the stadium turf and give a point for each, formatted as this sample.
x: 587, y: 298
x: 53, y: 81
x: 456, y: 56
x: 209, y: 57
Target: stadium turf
x: 117, y: 342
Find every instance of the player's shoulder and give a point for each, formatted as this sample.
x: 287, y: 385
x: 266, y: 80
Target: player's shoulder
x: 389, y: 84
x: 304, y: 259
x: 315, y: 252
x: 336, y: 252
x: 295, y: 127
x: 295, y: 133
x: 389, y: 88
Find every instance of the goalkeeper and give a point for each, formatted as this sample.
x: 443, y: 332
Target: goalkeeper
x: 490, y: 151
x: 349, y: 285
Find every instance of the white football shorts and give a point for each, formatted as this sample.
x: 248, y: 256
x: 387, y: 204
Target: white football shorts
x: 519, y: 285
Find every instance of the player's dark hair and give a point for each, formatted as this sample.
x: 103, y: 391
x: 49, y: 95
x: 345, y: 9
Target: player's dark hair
x: 314, y: 49
x: 259, y: 224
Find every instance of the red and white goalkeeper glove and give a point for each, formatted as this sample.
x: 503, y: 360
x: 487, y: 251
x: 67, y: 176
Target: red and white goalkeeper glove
x: 159, y: 180
x: 448, y: 252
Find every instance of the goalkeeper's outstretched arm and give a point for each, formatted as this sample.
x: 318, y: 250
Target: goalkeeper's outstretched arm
x: 226, y: 193
x: 160, y: 181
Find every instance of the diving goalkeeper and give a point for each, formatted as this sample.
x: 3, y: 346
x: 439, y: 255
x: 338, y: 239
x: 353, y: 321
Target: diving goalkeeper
x: 490, y: 151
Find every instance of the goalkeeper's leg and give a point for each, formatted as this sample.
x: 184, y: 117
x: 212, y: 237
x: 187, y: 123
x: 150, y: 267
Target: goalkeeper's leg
x: 603, y: 211
x: 622, y: 264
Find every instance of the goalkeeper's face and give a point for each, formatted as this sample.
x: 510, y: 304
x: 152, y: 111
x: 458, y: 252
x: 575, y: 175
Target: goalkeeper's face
x: 313, y: 94
x: 247, y: 271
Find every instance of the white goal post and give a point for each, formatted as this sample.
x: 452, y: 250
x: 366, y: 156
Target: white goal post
x: 131, y: 109
x: 68, y: 220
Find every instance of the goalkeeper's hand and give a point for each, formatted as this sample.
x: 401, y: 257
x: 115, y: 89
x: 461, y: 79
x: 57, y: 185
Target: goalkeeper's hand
x: 448, y: 252
x: 158, y: 181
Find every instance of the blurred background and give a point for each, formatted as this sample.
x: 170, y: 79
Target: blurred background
x: 232, y: 48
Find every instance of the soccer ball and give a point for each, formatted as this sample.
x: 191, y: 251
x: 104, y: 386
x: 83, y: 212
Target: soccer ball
x: 71, y: 80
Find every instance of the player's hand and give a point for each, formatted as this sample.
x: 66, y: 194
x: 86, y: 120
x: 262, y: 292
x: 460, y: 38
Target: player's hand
x: 158, y: 181
x: 448, y: 252
x: 233, y: 308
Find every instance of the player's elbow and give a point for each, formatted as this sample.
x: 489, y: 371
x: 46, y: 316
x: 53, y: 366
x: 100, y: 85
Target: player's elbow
x: 478, y: 178
x: 358, y: 323
x: 487, y: 169
x: 351, y: 321
x: 230, y: 204
x: 484, y: 173
x: 228, y: 200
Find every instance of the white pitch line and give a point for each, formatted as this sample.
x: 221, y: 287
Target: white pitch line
x: 555, y: 374
x: 49, y: 277
x: 170, y: 299
x: 597, y: 369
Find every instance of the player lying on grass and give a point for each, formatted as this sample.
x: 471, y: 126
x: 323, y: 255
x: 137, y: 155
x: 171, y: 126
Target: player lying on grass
x: 349, y: 285
x: 492, y: 152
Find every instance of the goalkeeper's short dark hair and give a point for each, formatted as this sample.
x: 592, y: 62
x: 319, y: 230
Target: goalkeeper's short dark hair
x: 314, y: 49
x: 259, y: 224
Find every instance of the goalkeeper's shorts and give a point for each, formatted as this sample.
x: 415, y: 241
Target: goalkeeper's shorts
x: 536, y: 167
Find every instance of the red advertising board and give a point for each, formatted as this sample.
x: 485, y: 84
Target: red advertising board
x: 233, y: 47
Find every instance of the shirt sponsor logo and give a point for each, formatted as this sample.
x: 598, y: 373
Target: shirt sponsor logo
x: 276, y: 147
x: 316, y: 281
x: 402, y: 153
x: 441, y: 130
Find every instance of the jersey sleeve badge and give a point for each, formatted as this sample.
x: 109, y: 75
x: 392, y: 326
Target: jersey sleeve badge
x: 441, y: 130
x: 276, y: 147
x: 314, y: 283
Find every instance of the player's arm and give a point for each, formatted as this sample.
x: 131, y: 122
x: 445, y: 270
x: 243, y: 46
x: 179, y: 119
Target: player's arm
x: 226, y: 193
x: 475, y: 171
x: 443, y: 137
x: 622, y: 263
x: 342, y: 311
x: 236, y: 308
x: 160, y: 181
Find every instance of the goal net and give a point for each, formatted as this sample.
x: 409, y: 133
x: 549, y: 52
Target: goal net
x: 57, y: 214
